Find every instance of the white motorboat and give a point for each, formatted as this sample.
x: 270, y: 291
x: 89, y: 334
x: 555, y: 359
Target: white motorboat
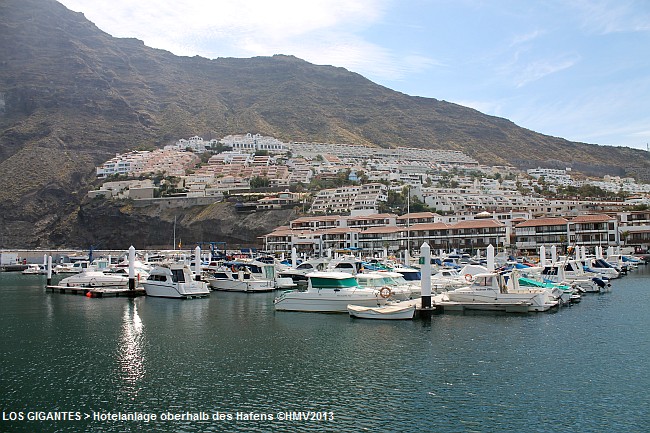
x: 489, y: 291
x: 34, y: 269
x: 602, y: 267
x: 294, y: 277
x: 94, y: 278
x: 174, y: 281
x: 71, y: 268
x: 391, y: 284
x: 557, y: 273
x: 237, y: 281
x: 397, y: 311
x: 330, y: 292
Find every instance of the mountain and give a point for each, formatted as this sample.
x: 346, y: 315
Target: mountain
x: 71, y: 96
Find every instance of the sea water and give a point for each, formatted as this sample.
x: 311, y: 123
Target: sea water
x: 231, y: 363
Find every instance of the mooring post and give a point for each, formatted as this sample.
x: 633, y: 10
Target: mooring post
x: 425, y: 252
x: 553, y: 254
x: 197, y: 263
x: 490, y: 258
x: 49, y: 270
x: 131, y: 267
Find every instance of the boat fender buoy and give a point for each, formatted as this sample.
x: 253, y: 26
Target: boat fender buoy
x: 385, y: 292
x: 469, y: 278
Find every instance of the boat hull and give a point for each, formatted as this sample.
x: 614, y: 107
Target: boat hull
x: 182, y: 290
x: 81, y: 280
x: 501, y: 301
x: 324, y: 302
x: 241, y: 286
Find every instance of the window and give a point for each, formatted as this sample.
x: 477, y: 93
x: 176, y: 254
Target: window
x: 178, y: 276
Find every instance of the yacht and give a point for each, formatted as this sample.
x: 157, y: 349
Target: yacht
x: 94, y: 278
x: 397, y: 287
x: 329, y: 292
x: 35, y: 269
x: 174, y: 281
x: 489, y: 291
x: 233, y: 280
x: 295, y: 277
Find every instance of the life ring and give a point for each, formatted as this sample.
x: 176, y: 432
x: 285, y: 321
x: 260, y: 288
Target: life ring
x: 385, y: 292
x: 233, y: 268
x: 469, y: 278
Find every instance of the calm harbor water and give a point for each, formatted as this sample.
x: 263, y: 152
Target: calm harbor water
x: 581, y: 369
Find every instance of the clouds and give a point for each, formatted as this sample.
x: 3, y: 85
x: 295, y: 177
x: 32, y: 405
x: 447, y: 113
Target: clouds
x: 613, y: 16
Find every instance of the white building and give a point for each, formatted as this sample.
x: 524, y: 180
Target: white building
x: 250, y: 143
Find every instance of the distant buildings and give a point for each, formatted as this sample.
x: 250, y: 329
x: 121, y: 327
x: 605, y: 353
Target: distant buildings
x: 481, y: 205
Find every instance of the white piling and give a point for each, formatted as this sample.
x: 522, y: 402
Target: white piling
x: 553, y: 254
x: 294, y: 259
x: 131, y: 267
x: 610, y: 252
x: 584, y: 252
x: 49, y: 270
x: 425, y: 252
x: 197, y: 263
x: 490, y: 258
x: 542, y: 255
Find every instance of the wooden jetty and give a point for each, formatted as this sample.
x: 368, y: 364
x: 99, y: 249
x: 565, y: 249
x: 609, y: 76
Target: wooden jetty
x: 97, y: 292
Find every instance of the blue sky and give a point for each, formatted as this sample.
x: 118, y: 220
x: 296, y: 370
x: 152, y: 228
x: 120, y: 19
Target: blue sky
x: 577, y: 69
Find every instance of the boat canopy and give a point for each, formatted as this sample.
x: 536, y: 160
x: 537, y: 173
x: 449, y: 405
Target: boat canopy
x: 333, y: 283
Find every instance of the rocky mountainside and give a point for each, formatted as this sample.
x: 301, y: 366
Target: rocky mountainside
x: 71, y: 96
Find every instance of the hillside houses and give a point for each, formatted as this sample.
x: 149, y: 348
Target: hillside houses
x: 456, y: 186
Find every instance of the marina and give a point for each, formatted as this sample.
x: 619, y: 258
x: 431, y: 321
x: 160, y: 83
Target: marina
x: 233, y: 352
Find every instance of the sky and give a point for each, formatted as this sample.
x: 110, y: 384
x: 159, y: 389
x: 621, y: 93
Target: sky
x: 576, y: 69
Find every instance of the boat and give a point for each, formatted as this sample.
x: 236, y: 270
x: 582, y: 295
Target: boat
x: 233, y: 280
x: 489, y: 291
x: 396, y: 311
x: 35, y: 269
x: 174, y: 280
x: 72, y: 268
x: 398, y: 288
x: 329, y: 292
x: 295, y: 277
x: 95, y: 278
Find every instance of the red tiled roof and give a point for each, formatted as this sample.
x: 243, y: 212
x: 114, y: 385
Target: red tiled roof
x: 591, y: 218
x: 429, y: 226
x: 537, y: 222
x: 477, y: 224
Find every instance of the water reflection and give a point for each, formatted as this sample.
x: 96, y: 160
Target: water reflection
x: 130, y: 351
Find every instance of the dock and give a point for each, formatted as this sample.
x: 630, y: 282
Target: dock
x: 97, y: 292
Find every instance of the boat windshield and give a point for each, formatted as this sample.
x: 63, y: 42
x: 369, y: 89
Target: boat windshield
x: 333, y: 283
x: 412, y: 276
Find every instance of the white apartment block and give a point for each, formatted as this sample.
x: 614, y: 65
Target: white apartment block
x: 250, y: 143
x: 402, y: 154
x: 360, y: 199
x: 123, y: 164
x: 170, y: 162
x: 195, y: 144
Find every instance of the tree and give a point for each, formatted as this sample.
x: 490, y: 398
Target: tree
x: 259, y: 182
